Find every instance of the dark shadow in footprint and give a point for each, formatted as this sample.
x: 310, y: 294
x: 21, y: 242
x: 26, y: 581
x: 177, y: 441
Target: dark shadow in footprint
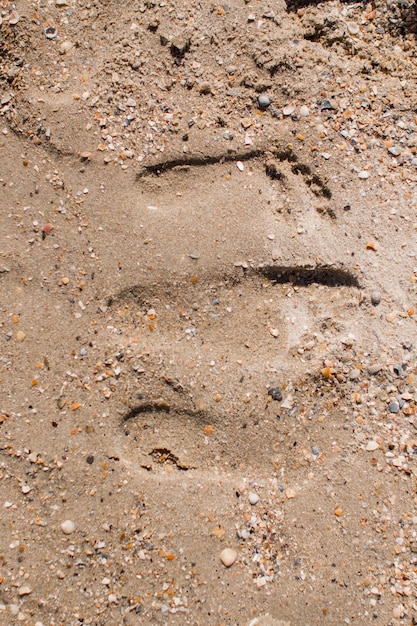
x: 197, y: 160
x: 305, y: 276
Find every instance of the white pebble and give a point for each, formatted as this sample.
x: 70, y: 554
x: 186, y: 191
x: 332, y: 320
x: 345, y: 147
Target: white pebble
x: 372, y: 445
x: 304, y: 111
x: 353, y: 28
x: 289, y: 109
x: 65, y: 47
x: 253, y: 498
x: 228, y: 556
x: 24, y: 590
x: 68, y: 527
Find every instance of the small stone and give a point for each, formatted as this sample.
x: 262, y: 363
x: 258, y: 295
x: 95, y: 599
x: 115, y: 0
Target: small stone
x: 65, y: 47
x: 25, y: 590
x: 180, y: 45
x: 393, y: 407
x: 14, y: 18
x: 315, y: 450
x: 51, y: 32
x: 355, y: 374
x: 363, y: 175
x: 304, y: 111
x: 288, y: 110
x: 290, y: 493
x: 327, y: 106
x: 61, y: 403
x: 228, y: 556
x: 65, y: 280
x: 288, y: 402
x: 20, y: 336
x: 372, y: 445
x: 274, y: 332
x: 47, y: 228
x: 263, y: 101
x: 353, y: 28
x: 26, y: 489
x: 375, y: 298
x: 253, y: 498
x: 68, y: 527
x: 374, y: 369
x: 5, y: 99
x: 394, y: 150
x: 275, y: 393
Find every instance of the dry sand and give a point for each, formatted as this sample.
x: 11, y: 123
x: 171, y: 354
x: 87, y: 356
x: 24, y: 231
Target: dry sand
x: 207, y: 313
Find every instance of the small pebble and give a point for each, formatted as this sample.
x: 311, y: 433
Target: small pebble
x: 20, y: 335
x: 355, y: 374
x: 353, y: 28
x: 68, y: 527
x: 51, y: 32
x: 315, y: 450
x: 228, y: 556
x: 275, y: 393
x: 393, y: 407
x: 253, y: 498
x: 372, y: 445
x: 363, y: 174
x: 288, y: 110
x: 394, y: 150
x: 263, y: 101
x: 375, y: 298
x: 65, y: 47
x: 304, y: 111
x: 25, y: 590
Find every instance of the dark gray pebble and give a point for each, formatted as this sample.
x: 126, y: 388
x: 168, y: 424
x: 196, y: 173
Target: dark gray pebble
x: 275, y: 393
x: 393, y: 407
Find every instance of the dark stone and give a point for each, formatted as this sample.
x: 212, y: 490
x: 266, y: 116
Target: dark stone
x: 275, y: 393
